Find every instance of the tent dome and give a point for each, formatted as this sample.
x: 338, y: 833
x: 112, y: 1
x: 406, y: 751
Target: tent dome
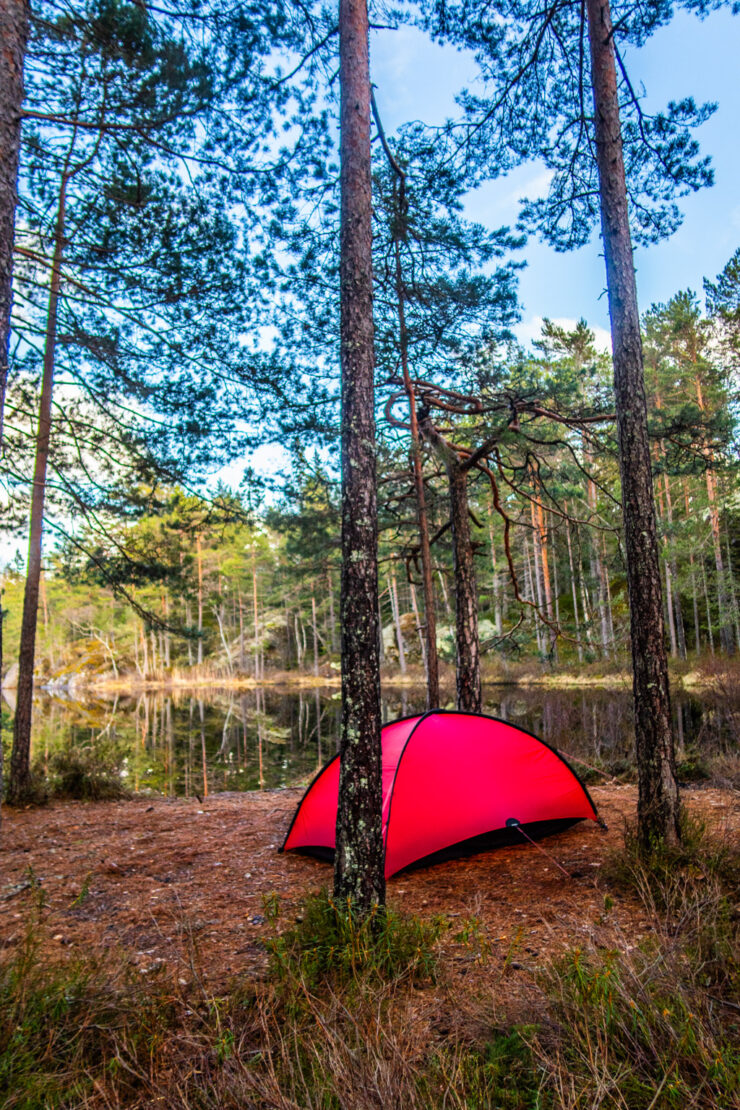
x: 451, y: 782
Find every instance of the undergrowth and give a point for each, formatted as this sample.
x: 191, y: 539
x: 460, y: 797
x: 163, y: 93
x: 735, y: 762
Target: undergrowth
x: 365, y: 1015
x: 83, y: 773
x: 331, y: 944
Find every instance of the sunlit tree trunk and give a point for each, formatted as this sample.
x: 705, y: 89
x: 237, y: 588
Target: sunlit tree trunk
x: 199, y: 556
x: 574, y: 590
x: 359, y: 860
x: 315, y: 637
x: 725, y: 622
x: 19, y: 785
x: 395, y: 609
x: 658, y: 800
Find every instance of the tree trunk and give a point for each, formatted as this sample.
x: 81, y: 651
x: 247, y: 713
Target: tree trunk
x: 200, y: 599
x: 359, y: 859
x: 658, y: 801
x: 315, y: 637
x: 710, y: 634
x: 332, y: 619
x: 495, y: 586
x: 677, y: 610
x: 431, y: 662
x: 19, y: 786
x: 419, y: 629
x: 725, y: 624
x: 255, y: 616
x: 574, y: 591
x: 468, y: 681
x: 13, y: 38
x: 393, y: 591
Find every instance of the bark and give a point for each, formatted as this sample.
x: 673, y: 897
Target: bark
x: 495, y: 585
x: 332, y: 619
x: 393, y: 591
x: 677, y: 610
x: 242, y: 655
x: 199, y: 554
x: 694, y: 592
x: 725, y: 623
x: 315, y: 637
x: 710, y: 634
x: 255, y: 616
x: 419, y: 629
x: 431, y: 662
x: 468, y: 680
x: 573, y: 588
x: 19, y: 785
x: 359, y: 859
x: 13, y: 38
x: 597, y: 567
x: 733, y: 594
x: 658, y: 800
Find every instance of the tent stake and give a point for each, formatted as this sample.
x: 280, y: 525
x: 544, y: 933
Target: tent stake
x: 512, y: 823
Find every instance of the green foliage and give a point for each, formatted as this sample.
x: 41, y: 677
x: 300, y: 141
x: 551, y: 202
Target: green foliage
x: 333, y: 944
x: 86, y: 772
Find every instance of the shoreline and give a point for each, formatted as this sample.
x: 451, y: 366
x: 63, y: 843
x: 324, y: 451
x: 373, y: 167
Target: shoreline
x: 286, y: 682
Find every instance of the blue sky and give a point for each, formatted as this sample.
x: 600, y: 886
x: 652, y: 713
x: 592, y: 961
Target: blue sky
x: 417, y: 80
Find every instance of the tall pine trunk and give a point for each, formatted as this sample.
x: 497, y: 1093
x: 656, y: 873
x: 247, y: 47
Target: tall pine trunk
x: 13, y: 39
x: 359, y: 861
x: 658, y: 800
x: 19, y: 785
x: 431, y: 662
x: 468, y: 680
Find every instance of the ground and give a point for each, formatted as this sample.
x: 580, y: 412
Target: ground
x: 160, y: 878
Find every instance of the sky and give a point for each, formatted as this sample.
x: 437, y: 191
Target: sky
x: 416, y: 79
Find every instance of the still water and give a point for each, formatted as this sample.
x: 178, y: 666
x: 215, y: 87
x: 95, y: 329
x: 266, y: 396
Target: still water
x: 196, y: 742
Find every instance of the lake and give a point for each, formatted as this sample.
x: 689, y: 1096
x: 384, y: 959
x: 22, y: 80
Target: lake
x: 198, y: 742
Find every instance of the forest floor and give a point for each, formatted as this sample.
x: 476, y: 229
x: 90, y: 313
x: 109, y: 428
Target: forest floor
x: 162, y: 952
x: 170, y: 880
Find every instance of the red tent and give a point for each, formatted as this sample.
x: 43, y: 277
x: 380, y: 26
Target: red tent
x: 451, y: 782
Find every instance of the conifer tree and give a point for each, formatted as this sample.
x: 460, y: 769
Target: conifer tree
x: 616, y: 162
x: 359, y: 875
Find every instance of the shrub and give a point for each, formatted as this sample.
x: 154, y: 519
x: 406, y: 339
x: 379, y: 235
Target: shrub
x: 85, y: 773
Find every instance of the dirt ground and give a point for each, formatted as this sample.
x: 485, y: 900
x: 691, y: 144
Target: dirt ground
x: 160, y: 878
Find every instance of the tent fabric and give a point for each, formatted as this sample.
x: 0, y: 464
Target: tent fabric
x: 451, y: 782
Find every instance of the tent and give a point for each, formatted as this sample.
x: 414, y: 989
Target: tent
x: 453, y: 784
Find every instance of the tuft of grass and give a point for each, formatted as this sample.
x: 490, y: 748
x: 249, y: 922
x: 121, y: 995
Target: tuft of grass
x: 662, y: 876
x: 637, y: 1029
x: 74, y: 1027
x: 331, y: 943
x: 654, y: 1025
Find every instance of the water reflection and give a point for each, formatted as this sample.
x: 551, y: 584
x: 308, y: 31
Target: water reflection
x: 199, y: 742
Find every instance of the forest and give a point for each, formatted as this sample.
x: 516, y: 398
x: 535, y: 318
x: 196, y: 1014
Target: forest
x: 281, y: 468
x: 247, y: 590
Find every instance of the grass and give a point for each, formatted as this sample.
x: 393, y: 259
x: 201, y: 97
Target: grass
x: 332, y: 945
x: 367, y: 1014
